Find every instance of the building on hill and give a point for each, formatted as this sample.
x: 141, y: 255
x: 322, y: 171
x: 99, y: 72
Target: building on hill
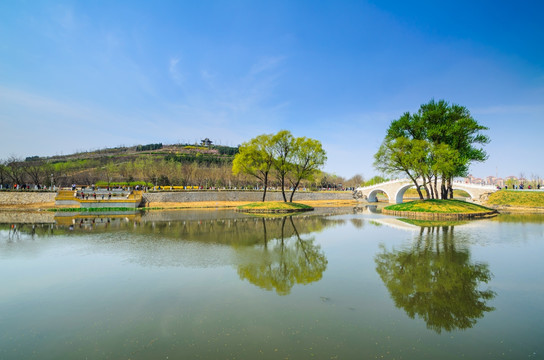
x: 206, y: 142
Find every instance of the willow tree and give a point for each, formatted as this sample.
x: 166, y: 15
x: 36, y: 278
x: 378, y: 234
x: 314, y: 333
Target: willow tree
x: 307, y: 157
x: 440, y: 123
x: 283, y: 145
x: 255, y: 158
x: 403, y: 155
x: 294, y: 159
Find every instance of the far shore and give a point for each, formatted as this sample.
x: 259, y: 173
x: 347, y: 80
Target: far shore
x: 201, y: 205
x: 195, y: 205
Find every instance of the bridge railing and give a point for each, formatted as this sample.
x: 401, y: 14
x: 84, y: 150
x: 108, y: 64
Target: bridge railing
x: 456, y: 182
x: 383, y: 183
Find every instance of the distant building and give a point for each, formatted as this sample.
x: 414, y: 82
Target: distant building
x: 206, y: 142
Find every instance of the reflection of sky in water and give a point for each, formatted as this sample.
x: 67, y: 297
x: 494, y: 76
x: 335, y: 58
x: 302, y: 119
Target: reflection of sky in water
x: 149, y: 291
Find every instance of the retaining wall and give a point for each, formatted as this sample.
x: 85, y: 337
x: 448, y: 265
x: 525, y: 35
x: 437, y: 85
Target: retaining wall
x: 227, y: 195
x: 439, y: 216
x: 29, y: 198
x: 26, y: 198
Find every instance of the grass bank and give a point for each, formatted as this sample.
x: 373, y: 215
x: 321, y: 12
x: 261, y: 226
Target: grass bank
x: 526, y: 199
x: 436, y: 209
x: 274, y: 207
x: 439, y: 206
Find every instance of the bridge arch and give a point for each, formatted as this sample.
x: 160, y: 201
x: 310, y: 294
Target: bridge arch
x: 372, y: 196
x: 468, y: 191
x: 399, y: 195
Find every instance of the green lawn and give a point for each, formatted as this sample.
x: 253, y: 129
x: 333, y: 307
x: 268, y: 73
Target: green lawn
x: 439, y: 206
x: 273, y: 206
x: 517, y: 198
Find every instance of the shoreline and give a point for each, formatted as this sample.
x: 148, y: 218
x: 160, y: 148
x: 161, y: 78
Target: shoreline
x: 194, y: 205
x: 228, y: 204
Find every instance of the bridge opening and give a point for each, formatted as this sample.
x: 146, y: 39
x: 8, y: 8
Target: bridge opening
x: 378, y: 196
x: 409, y: 193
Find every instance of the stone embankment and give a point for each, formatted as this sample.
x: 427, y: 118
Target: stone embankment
x: 420, y: 215
x: 30, y: 199
x: 24, y: 198
x: 250, y: 196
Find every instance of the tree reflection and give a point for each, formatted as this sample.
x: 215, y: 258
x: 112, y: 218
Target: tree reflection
x: 436, y: 281
x: 281, y: 263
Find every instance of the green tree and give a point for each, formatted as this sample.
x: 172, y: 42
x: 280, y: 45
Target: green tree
x: 403, y: 155
x: 255, y: 158
x: 439, y: 122
x: 283, y: 143
x: 3, y: 174
x: 306, y: 159
x: 375, y: 180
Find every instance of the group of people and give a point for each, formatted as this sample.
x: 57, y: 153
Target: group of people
x: 86, y: 196
x: 520, y: 187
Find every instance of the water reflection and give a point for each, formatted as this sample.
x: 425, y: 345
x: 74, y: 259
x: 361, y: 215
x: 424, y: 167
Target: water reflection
x: 435, y: 280
x: 272, y: 253
x: 280, y: 262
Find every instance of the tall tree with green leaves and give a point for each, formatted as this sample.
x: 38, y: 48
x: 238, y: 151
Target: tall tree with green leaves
x: 283, y: 145
x: 306, y: 159
x: 255, y: 158
x: 403, y: 156
x: 440, y: 123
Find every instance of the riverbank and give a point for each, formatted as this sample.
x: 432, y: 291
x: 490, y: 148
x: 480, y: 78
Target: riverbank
x: 36, y: 201
x: 517, y: 201
x: 436, y: 209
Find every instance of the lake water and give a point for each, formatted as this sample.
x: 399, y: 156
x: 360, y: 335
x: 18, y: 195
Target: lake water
x: 335, y: 284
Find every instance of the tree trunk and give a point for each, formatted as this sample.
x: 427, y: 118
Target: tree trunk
x: 436, y: 186
x: 427, y: 193
x: 450, y: 188
x: 443, y: 189
x: 433, y: 191
x: 283, y: 188
x: 419, y: 193
x: 416, y: 185
x: 294, y: 189
x: 265, y: 185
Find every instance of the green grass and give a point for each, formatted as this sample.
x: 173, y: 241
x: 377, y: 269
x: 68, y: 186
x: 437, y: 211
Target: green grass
x: 273, y: 206
x: 412, y: 193
x: 439, y: 206
x: 517, y: 198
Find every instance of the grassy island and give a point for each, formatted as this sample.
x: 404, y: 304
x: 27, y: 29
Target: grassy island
x: 274, y: 207
x: 439, y: 209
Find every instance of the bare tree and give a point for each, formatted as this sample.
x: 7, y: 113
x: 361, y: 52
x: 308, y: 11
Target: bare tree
x: 36, y: 170
x: 15, y: 170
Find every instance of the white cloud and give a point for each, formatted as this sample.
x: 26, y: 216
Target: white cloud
x: 175, y: 74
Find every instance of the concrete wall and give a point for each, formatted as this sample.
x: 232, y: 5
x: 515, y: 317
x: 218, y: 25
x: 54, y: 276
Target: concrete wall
x: 25, y: 198
x: 28, y: 198
x: 226, y: 195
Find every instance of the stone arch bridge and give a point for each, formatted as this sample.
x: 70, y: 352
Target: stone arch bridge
x: 395, y: 190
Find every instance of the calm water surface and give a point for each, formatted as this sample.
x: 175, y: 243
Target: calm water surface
x: 338, y: 284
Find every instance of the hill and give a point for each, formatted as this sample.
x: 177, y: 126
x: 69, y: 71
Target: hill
x: 179, y: 164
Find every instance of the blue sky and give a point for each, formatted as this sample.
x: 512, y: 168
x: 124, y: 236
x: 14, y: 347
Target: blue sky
x: 82, y: 75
